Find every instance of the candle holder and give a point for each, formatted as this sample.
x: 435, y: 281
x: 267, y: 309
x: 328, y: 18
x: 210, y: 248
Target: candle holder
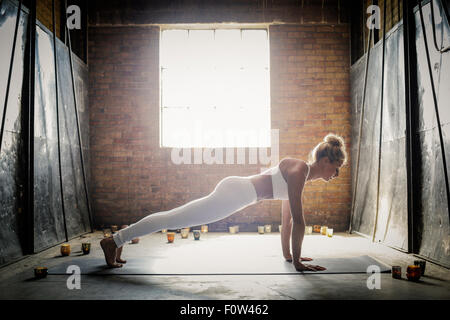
x: 232, y: 229
x: 40, y: 272
x: 106, y: 233
x: 413, y: 273
x: 261, y: 229
x: 308, y: 229
x: 329, y: 232
x: 196, y: 234
x: 86, y: 247
x: 164, y: 230
x: 396, y: 272
x: 114, y: 228
x: 65, y: 249
x: 323, y: 230
x: 184, y: 233
x: 280, y: 227
x: 421, y: 264
x: 204, y: 229
x: 267, y: 228
x: 170, y: 237
x: 316, y: 228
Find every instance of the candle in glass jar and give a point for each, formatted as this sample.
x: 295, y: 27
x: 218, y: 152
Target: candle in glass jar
x: 329, y: 232
x: 40, y: 272
x: 86, y: 247
x: 421, y: 264
x: 261, y: 229
x: 396, y: 272
x: 184, y: 233
x: 196, y: 234
x: 204, y: 228
x: 323, y: 230
x: 170, y: 237
x: 65, y: 249
x: 413, y: 273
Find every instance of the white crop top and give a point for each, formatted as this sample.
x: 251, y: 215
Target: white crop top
x: 279, y: 185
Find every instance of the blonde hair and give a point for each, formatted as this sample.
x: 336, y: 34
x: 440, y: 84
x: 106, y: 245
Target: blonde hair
x: 332, y: 147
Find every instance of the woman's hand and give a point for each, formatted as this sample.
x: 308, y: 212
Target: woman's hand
x: 307, y: 267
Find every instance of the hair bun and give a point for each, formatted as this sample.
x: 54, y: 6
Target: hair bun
x: 334, y: 140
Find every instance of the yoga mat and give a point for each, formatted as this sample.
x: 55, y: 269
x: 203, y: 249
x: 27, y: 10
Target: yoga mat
x: 173, y: 265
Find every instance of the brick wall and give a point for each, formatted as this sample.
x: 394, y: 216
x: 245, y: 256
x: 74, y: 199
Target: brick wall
x: 44, y: 14
x: 310, y: 98
x: 133, y: 177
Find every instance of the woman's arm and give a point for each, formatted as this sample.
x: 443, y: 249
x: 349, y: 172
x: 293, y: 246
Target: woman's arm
x: 296, y: 182
x: 296, y: 178
x: 286, y: 229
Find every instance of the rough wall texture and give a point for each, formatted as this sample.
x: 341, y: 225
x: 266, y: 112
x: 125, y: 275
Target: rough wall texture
x: 133, y: 177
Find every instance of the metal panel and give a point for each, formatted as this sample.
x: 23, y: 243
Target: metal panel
x: 433, y: 226
x: 11, y: 176
x: 366, y: 195
x: 77, y: 219
x: 81, y: 77
x: 48, y: 219
x: 392, y: 225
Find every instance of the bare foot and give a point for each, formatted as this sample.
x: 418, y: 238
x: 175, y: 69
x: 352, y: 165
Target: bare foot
x: 118, y: 254
x: 289, y: 258
x: 109, y: 249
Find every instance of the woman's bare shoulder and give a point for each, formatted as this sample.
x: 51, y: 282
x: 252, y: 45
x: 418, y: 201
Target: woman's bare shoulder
x: 293, y: 167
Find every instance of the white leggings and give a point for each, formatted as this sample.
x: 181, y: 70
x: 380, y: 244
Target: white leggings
x: 231, y: 194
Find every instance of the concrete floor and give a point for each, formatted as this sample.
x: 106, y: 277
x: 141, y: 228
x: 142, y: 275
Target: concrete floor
x: 17, y: 280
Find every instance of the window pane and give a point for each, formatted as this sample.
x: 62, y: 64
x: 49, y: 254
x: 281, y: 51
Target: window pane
x: 215, y: 88
x: 171, y: 42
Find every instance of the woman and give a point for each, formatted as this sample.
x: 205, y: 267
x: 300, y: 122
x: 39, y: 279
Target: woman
x: 283, y: 182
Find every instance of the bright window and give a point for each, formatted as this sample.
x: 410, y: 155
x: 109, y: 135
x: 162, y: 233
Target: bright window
x: 215, y: 88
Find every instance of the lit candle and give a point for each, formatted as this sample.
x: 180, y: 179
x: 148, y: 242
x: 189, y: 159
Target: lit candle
x: 170, y: 236
x: 204, y: 228
x: 40, y: 272
x: 184, y: 233
x: 86, y: 247
x: 261, y: 229
x: 309, y: 229
x: 413, y: 273
x: 396, y: 272
x: 329, y: 232
x: 421, y: 264
x: 65, y: 249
